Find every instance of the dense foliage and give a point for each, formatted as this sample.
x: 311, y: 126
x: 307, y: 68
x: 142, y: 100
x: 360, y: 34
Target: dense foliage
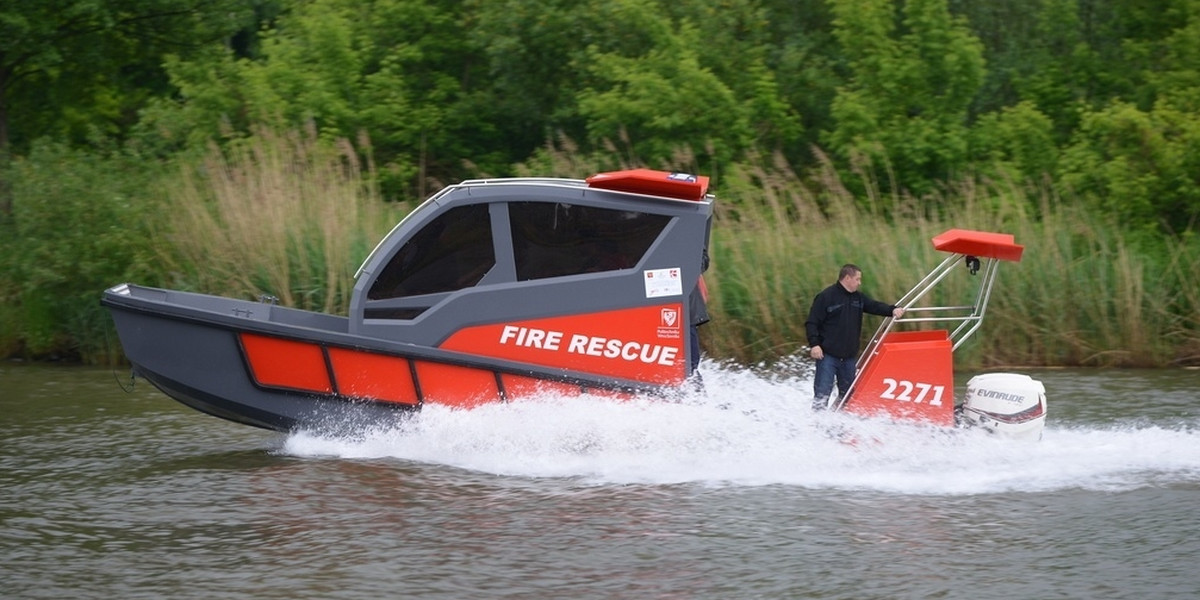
x: 897, y: 103
x: 1102, y: 96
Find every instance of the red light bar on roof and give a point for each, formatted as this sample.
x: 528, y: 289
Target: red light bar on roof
x: 682, y: 186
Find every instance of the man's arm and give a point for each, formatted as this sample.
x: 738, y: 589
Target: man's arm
x: 882, y: 309
x: 812, y: 327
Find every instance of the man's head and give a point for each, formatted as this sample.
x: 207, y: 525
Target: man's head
x: 850, y: 277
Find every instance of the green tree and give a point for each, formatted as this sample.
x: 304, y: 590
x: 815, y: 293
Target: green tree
x: 734, y: 41
x: 1015, y: 141
x: 1177, y: 78
x: 804, y: 57
x: 1139, y: 162
x: 1142, y: 167
x: 1037, y: 52
x: 646, y: 84
x: 555, y: 67
x: 913, y: 79
x: 1059, y: 68
x: 395, y: 69
x: 531, y: 49
x: 73, y: 68
x: 82, y: 220
x: 67, y: 66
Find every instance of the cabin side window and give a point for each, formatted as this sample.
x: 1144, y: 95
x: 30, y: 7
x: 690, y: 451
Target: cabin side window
x: 452, y: 252
x: 554, y: 239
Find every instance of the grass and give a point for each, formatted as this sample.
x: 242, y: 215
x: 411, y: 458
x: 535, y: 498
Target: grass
x: 290, y: 216
x: 293, y: 215
x: 1084, y: 294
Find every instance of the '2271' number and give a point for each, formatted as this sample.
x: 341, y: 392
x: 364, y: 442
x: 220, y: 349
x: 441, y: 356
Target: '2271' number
x: 905, y: 391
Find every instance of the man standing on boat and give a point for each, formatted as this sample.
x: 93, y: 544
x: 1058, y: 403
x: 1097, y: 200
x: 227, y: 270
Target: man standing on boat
x: 834, y: 327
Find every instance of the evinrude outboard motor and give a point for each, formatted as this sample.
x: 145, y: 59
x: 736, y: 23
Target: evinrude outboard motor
x: 1007, y: 404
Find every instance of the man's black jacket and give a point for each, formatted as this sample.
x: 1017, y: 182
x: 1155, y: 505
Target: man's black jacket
x: 835, y: 320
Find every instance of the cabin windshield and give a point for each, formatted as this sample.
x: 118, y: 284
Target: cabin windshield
x: 553, y: 239
x: 549, y: 239
x: 452, y: 252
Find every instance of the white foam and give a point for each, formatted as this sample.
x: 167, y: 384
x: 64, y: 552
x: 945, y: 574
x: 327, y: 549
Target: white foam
x: 748, y: 429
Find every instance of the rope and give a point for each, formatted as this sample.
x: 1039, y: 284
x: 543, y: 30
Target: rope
x: 117, y: 378
x: 120, y: 384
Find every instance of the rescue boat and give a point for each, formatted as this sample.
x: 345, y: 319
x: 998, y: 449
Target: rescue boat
x: 906, y: 372
x: 491, y: 290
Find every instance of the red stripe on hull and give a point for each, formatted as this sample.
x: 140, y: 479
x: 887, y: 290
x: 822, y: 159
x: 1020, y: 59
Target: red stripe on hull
x: 519, y: 386
x: 458, y: 387
x: 287, y: 364
x: 373, y: 376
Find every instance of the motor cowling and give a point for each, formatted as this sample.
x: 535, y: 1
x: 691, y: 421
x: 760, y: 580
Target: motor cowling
x: 1007, y: 404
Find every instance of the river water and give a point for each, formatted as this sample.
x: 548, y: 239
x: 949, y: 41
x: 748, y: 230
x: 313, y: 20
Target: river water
x: 736, y: 493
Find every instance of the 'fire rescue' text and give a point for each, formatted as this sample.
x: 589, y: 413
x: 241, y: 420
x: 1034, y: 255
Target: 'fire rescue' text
x: 590, y: 345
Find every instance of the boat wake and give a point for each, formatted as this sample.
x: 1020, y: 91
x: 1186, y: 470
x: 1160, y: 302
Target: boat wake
x: 748, y: 429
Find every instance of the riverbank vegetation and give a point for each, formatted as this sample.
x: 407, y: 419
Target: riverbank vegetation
x: 251, y: 148
x: 1086, y: 293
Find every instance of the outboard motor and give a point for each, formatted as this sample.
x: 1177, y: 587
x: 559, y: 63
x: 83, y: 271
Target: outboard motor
x: 1007, y: 404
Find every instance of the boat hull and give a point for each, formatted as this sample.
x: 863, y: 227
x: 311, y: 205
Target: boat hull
x: 283, y: 369
x: 201, y: 365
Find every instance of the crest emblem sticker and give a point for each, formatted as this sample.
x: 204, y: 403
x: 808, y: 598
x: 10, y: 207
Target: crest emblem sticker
x: 670, y: 317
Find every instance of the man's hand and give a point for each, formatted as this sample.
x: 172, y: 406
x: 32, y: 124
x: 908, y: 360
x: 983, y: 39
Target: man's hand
x: 816, y: 352
x: 897, y: 313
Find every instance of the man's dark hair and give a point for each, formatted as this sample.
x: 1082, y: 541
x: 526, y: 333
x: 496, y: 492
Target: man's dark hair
x: 848, y: 270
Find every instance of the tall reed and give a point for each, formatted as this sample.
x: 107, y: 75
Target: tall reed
x: 1083, y: 294
x: 290, y: 216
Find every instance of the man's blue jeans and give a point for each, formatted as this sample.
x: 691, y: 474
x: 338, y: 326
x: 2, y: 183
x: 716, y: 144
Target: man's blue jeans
x: 828, y: 369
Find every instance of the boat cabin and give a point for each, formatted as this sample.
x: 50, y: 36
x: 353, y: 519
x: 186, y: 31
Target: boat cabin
x: 591, y: 276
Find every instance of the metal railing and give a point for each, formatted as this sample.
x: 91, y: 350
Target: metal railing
x: 969, y: 318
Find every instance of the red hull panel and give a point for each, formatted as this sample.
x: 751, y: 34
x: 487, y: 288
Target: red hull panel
x: 519, y: 386
x: 373, y: 376
x: 286, y: 364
